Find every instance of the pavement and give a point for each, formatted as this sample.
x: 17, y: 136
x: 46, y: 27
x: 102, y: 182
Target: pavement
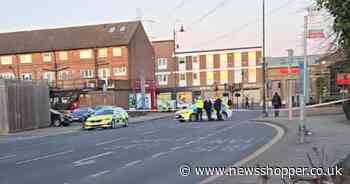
x: 330, y: 133
x: 147, y: 153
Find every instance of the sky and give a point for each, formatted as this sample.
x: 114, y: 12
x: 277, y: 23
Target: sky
x: 208, y: 24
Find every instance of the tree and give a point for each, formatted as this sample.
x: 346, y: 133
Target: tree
x: 340, y: 10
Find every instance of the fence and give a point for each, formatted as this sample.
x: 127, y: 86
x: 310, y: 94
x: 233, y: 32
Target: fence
x: 24, y: 105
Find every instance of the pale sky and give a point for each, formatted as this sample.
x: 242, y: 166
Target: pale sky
x: 208, y: 24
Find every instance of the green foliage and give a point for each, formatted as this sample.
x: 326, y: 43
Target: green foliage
x: 340, y: 10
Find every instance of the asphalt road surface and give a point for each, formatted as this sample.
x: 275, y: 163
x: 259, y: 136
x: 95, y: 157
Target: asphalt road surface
x: 149, y: 153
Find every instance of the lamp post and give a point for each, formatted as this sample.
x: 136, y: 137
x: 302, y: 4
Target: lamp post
x: 174, y: 54
x: 264, y: 64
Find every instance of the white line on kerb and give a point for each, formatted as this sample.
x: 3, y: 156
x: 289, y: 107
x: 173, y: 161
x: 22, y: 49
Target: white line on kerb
x: 100, y: 173
x: 7, y: 157
x: 108, y: 142
x: 44, y: 157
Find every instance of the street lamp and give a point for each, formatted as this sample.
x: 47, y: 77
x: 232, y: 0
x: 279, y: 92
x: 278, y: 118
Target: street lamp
x: 264, y: 63
x: 176, y: 46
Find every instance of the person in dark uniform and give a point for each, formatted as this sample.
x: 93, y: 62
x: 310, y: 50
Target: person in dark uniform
x: 277, y: 103
x: 208, y: 107
x: 217, y: 107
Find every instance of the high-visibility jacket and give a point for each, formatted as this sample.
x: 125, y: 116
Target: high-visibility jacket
x: 199, y: 104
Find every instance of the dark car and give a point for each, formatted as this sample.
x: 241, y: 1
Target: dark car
x: 81, y: 114
x: 60, y: 119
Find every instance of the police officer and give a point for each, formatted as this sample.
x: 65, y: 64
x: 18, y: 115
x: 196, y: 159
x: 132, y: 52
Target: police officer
x: 199, y: 105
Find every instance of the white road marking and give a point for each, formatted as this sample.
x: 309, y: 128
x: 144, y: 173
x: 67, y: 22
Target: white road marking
x: 191, y: 142
x: 112, y: 148
x: 176, y: 148
x: 160, y: 154
x: 90, y: 160
x: 100, y: 173
x: 180, y: 139
x: 109, y: 142
x: 44, y: 157
x: 132, y: 163
x: 7, y: 157
x: 149, y: 132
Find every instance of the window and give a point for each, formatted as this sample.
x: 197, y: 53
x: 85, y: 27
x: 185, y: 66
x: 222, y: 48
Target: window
x: 6, y: 60
x: 182, y: 81
x: 223, y: 61
x: 162, y: 63
x: 63, y: 75
x: 103, y: 73
x: 87, y: 74
x: 238, y: 76
x: 195, y: 63
x: 162, y: 79
x: 85, y: 54
x: 117, y: 51
x: 210, y: 78
x: 224, y: 77
x: 49, y: 76
x: 210, y: 61
x: 238, y: 60
x: 63, y: 55
x: 196, y: 79
x: 182, y: 63
x: 27, y: 58
x: 252, y: 75
x: 251, y: 59
x: 7, y: 76
x: 27, y: 76
x: 102, y: 53
x: 47, y: 57
x: 120, y: 71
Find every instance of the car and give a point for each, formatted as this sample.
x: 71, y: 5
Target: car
x: 189, y: 114
x: 99, y: 107
x: 107, y: 117
x: 59, y: 119
x: 81, y: 114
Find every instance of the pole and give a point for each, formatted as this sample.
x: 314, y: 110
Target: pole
x: 302, y: 126
x: 264, y: 64
x: 290, y: 60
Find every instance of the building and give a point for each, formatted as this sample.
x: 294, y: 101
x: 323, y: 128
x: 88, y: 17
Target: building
x: 86, y: 57
x: 208, y: 73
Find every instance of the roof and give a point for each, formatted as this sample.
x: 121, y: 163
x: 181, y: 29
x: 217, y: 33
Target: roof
x: 69, y: 38
x: 160, y: 41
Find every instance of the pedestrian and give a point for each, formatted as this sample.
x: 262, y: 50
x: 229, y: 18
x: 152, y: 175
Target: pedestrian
x: 208, y: 106
x: 246, y: 102
x: 277, y: 103
x: 217, y: 107
x: 199, y: 105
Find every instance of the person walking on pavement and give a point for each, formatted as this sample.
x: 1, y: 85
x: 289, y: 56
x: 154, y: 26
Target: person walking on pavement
x: 217, y: 107
x: 277, y: 103
x: 246, y: 102
x: 199, y: 105
x: 208, y: 108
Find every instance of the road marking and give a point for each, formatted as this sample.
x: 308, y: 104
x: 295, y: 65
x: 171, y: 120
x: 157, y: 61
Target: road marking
x: 90, y: 160
x: 149, y: 132
x: 109, y: 142
x: 180, y: 139
x: 7, y: 157
x: 132, y: 163
x: 191, y: 142
x: 100, y: 173
x: 44, y: 157
x: 176, y: 148
x: 160, y: 154
x: 112, y: 148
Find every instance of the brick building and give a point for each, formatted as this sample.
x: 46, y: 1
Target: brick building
x: 119, y: 54
x: 207, y: 73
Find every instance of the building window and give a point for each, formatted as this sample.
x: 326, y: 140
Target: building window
x: 251, y: 59
x: 6, y: 60
x: 85, y: 54
x: 162, y: 63
x: 63, y: 55
x: 47, y: 57
x: 210, y: 61
x: 224, y: 77
x: 87, y: 74
x: 223, y: 60
x: 182, y: 63
x: 120, y: 71
x: 103, y: 73
x: 49, y: 76
x: 182, y: 81
x: 7, y: 76
x: 162, y: 79
x: 238, y: 76
x: 210, y: 78
x: 252, y: 75
x: 117, y: 51
x: 196, y: 79
x: 27, y: 58
x: 27, y: 76
x: 102, y: 53
x: 63, y: 75
x: 238, y: 60
x: 195, y: 63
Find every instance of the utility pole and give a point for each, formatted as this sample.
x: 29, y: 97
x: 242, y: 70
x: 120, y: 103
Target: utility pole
x: 97, y: 65
x: 290, y: 105
x: 264, y: 64
x: 56, y: 68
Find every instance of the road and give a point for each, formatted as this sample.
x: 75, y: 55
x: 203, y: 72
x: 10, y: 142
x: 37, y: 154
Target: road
x: 147, y: 153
